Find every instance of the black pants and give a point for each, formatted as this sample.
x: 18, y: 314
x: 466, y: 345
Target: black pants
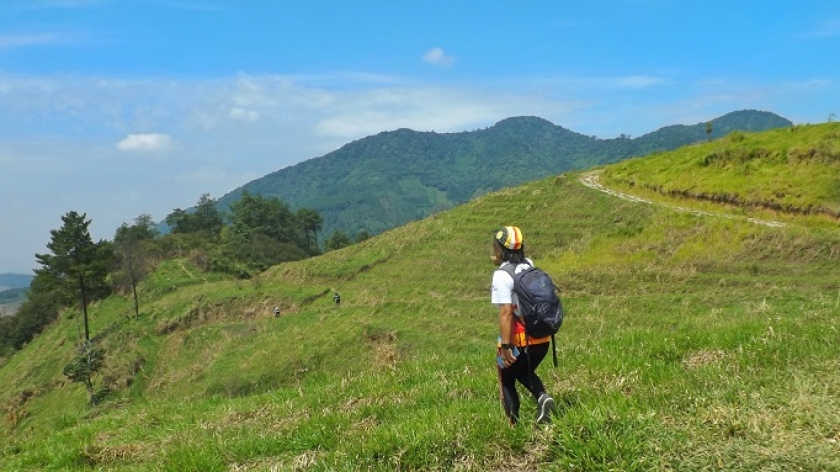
x: 523, y: 370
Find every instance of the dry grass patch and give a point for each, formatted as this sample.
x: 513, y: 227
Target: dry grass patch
x: 109, y: 454
x: 703, y: 357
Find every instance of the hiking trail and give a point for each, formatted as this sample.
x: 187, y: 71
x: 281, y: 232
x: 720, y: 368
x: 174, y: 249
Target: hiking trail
x: 593, y: 181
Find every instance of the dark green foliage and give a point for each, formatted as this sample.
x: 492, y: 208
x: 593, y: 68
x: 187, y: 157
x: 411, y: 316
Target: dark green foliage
x: 132, y: 246
x: 362, y: 235
x: 242, y: 253
x: 143, y: 229
x: 260, y: 231
x: 263, y: 232
x: 337, y: 240
x: 383, y: 181
x: 256, y: 214
x: 84, y: 366
x: 310, y: 222
x: 40, y: 309
x: 205, y: 218
x: 77, y: 267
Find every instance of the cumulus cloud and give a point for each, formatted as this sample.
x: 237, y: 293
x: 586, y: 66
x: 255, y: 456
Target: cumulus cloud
x: 146, y: 142
x: 438, y: 57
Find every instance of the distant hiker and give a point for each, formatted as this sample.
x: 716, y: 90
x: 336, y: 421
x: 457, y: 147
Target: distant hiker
x: 277, y: 312
x: 337, y: 299
x: 519, y: 355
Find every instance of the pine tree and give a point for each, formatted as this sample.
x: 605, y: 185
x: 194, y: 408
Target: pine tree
x: 77, y: 266
x: 77, y: 263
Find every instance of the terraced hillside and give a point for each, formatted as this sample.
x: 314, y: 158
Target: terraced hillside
x: 785, y: 171
x: 692, y: 342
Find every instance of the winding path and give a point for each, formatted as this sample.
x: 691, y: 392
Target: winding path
x: 593, y: 181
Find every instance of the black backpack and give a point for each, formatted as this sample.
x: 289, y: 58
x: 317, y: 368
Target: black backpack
x: 539, y: 302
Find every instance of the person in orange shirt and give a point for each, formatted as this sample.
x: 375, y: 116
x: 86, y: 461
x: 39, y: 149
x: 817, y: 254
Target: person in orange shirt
x: 519, y: 355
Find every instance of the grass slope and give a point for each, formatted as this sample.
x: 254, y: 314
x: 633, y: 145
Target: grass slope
x: 792, y: 170
x: 691, y: 343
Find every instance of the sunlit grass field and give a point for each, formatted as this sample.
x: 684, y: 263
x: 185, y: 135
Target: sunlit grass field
x: 782, y: 173
x: 690, y: 343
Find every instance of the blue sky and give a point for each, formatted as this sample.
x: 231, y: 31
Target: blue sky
x: 116, y: 108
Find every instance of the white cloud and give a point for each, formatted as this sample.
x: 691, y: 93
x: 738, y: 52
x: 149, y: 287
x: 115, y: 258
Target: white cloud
x: 355, y: 115
x: 244, y: 115
x: 147, y: 142
x: 438, y: 57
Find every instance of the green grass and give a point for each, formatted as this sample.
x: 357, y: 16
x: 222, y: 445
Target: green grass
x: 785, y: 171
x: 690, y: 343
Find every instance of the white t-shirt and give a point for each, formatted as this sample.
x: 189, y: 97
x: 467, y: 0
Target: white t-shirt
x: 501, y: 291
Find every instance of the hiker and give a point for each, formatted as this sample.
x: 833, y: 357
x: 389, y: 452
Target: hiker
x: 277, y: 312
x: 519, y: 355
x: 337, y: 299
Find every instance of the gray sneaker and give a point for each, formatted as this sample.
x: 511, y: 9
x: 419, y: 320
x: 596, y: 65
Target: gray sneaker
x: 545, y: 409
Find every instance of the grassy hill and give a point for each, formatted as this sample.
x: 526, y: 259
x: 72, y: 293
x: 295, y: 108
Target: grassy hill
x: 384, y: 181
x: 781, y: 172
x: 692, y: 342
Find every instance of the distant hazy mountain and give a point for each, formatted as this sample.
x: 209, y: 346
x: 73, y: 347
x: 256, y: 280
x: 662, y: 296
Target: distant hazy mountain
x: 13, y: 288
x: 386, y: 180
x: 8, y: 281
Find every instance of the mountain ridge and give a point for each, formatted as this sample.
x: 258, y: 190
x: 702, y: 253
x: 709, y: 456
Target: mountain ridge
x: 388, y: 179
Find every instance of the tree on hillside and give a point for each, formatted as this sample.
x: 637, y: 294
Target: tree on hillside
x: 205, y: 219
x: 310, y: 222
x: 178, y: 221
x: 241, y: 253
x: 263, y: 232
x: 269, y: 216
x: 77, y: 266
x: 77, y: 263
x: 40, y: 308
x: 337, y: 240
x: 132, y: 250
x: 709, y: 130
x: 362, y: 235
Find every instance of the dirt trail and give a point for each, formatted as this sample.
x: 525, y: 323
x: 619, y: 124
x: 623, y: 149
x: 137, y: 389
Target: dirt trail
x: 592, y: 180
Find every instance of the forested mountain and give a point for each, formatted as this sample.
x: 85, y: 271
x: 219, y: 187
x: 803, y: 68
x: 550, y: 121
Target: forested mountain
x: 383, y: 181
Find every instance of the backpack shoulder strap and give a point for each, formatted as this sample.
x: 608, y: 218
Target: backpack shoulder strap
x: 509, y: 268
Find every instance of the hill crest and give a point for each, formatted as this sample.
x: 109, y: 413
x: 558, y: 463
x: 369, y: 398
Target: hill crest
x: 386, y: 180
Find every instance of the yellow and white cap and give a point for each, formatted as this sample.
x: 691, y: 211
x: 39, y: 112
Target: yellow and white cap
x: 510, y: 237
